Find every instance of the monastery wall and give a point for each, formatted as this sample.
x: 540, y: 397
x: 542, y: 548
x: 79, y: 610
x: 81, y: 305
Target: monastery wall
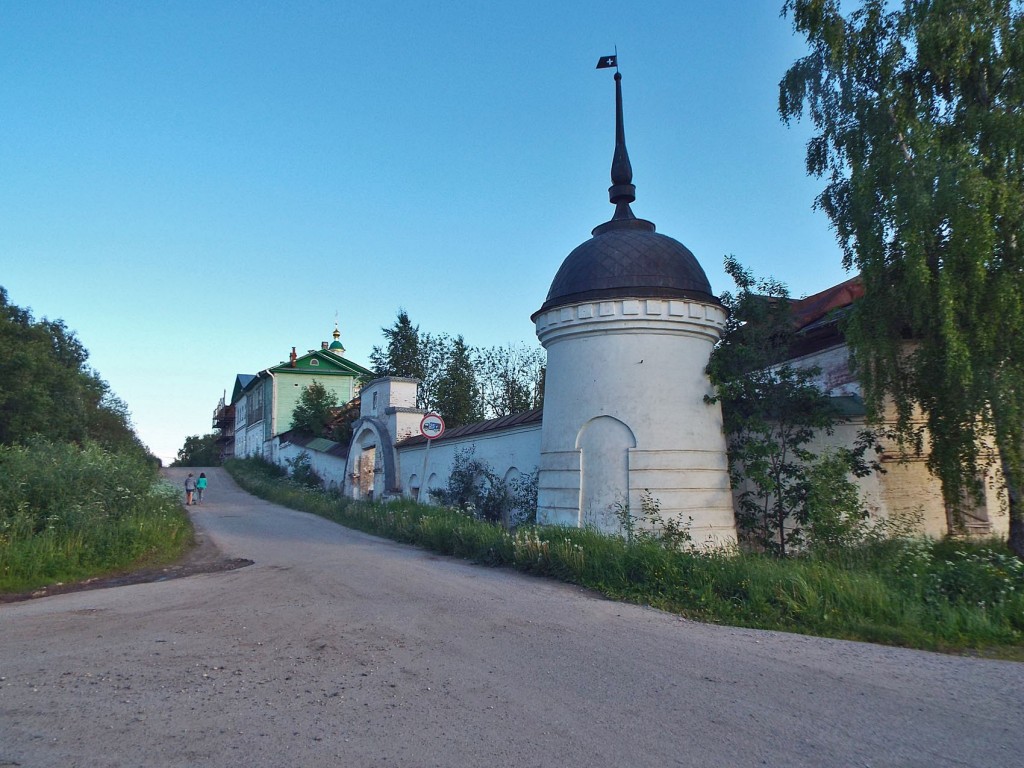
x: 509, y: 453
x: 905, y: 492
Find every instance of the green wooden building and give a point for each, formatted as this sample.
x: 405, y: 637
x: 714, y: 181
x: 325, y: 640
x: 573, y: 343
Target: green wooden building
x: 263, y: 403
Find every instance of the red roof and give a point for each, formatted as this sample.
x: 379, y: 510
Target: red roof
x: 813, y: 308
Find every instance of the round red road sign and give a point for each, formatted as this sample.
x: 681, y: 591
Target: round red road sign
x: 431, y: 426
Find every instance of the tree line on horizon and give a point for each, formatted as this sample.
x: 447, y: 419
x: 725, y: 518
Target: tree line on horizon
x: 462, y: 383
x: 48, y: 390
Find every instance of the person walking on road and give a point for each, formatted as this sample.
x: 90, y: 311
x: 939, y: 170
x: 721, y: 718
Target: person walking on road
x: 200, y: 487
x: 190, y: 489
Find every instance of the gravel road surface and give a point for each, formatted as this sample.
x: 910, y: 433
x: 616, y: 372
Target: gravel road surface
x: 340, y: 649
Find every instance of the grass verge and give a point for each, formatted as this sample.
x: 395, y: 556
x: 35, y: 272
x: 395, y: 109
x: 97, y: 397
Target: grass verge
x: 945, y: 596
x: 69, y: 513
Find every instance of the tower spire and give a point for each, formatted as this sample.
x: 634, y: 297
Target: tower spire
x: 622, y: 192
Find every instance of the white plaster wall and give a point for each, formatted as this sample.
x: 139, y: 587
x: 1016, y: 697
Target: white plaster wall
x: 387, y: 392
x: 393, y: 400
x: 404, y: 422
x: 330, y: 468
x: 517, y: 448
x: 640, y: 362
x: 254, y: 440
x: 906, y: 490
x: 836, y: 377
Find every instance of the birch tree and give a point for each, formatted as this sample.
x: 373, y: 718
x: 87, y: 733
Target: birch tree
x: 918, y: 108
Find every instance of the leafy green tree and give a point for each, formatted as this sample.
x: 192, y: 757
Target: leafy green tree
x: 43, y: 389
x: 920, y: 137
x: 340, y: 427
x: 510, y: 378
x: 110, y: 424
x: 315, y: 410
x: 772, y: 412
x: 48, y: 389
x: 835, y: 510
x: 458, y: 394
x: 435, y: 353
x: 199, y: 451
x: 507, y: 379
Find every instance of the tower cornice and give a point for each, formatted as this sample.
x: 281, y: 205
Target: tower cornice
x: 632, y: 315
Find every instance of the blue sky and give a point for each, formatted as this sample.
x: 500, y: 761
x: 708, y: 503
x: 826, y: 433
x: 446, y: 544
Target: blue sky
x: 196, y: 187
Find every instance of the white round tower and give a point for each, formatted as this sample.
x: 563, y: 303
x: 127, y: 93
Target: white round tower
x: 629, y: 325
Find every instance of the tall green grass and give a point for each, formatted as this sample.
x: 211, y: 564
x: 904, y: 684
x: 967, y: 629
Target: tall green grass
x: 68, y: 513
x: 916, y: 593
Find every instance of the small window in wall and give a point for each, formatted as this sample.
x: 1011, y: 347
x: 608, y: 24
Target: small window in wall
x: 314, y: 361
x: 971, y: 516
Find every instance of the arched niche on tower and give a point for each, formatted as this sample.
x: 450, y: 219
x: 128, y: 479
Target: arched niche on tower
x: 604, y: 443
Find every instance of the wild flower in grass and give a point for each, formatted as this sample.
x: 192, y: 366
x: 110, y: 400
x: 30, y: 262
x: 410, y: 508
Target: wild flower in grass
x: 568, y: 553
x: 527, y: 547
x: 966, y: 575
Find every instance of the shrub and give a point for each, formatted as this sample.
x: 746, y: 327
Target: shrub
x: 69, y: 512
x: 474, y: 488
x: 652, y: 526
x: 301, y: 471
x: 835, y: 516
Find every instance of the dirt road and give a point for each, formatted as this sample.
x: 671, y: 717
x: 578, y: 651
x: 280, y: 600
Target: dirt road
x: 339, y: 649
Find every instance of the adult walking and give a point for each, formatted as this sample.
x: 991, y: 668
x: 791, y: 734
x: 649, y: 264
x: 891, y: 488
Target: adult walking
x: 190, y: 489
x: 200, y: 487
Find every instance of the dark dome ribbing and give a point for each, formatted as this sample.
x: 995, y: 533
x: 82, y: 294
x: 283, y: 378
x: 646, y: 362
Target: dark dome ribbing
x: 628, y: 263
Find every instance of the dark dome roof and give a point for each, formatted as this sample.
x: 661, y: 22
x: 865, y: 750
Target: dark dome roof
x: 627, y: 258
